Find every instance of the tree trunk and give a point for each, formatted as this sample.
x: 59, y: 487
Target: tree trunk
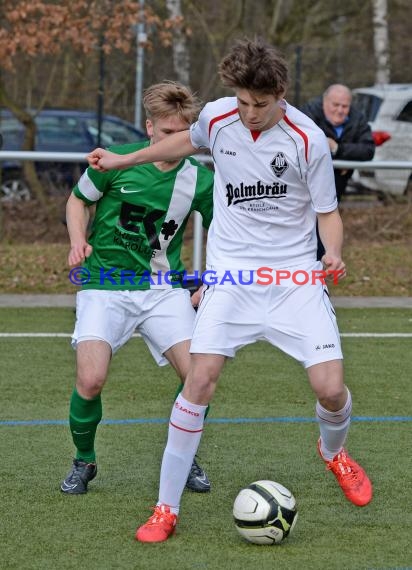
x: 381, y: 41
x: 181, y: 60
x: 29, y: 170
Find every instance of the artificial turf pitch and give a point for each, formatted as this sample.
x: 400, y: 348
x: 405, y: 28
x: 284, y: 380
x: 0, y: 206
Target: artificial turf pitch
x: 260, y: 427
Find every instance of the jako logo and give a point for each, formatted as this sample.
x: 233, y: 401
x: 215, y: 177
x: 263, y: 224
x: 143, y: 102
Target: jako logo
x: 186, y: 411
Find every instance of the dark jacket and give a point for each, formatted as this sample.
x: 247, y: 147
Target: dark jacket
x: 355, y: 143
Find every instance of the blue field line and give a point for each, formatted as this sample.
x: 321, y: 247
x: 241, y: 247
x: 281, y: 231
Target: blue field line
x: 268, y: 420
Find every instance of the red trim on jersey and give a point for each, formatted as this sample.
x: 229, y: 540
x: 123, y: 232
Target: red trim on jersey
x: 255, y: 135
x: 186, y: 430
x: 302, y: 134
x: 216, y: 119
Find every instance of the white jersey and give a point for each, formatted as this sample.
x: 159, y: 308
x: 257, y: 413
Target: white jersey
x: 268, y: 187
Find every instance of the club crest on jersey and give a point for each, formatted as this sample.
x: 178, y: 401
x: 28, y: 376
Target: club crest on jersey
x: 279, y: 164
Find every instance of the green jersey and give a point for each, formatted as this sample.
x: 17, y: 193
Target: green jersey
x: 141, y: 214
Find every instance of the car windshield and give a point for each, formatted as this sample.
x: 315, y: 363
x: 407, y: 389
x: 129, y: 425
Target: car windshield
x: 12, y: 132
x: 367, y: 104
x: 113, y: 133
x: 406, y: 114
x: 71, y: 132
x: 59, y: 133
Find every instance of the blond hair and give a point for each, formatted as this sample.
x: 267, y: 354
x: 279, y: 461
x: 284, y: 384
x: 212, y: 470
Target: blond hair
x: 170, y: 98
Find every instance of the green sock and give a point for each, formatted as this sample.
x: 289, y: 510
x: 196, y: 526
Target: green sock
x: 180, y: 388
x: 85, y: 416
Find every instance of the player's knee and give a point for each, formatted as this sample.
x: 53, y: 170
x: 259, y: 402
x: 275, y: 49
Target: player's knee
x: 199, y: 388
x: 333, y: 398
x: 182, y: 375
x: 89, y: 386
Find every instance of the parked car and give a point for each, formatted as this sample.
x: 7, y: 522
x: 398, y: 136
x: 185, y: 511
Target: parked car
x: 388, y: 109
x: 58, y: 130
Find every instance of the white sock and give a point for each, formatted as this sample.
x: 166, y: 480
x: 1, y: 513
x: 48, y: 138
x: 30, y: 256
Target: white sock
x: 185, y: 431
x: 334, y: 427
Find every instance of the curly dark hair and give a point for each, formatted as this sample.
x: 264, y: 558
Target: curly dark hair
x: 254, y: 65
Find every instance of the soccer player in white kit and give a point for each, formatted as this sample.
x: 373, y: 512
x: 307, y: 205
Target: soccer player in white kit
x: 273, y: 180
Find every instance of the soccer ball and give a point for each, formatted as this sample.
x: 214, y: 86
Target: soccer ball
x: 265, y: 512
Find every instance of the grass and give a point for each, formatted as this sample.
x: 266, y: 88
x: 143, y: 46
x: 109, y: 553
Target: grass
x: 41, y: 529
x: 377, y: 252
x: 380, y: 269
x: 34, y: 268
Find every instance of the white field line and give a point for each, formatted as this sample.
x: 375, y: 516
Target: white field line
x: 68, y: 335
x: 376, y: 335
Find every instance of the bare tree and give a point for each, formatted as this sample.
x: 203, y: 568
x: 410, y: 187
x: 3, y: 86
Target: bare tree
x: 181, y: 59
x: 36, y: 31
x: 381, y: 41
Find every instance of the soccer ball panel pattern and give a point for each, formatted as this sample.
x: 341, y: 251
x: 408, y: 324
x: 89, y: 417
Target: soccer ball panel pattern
x: 265, y: 512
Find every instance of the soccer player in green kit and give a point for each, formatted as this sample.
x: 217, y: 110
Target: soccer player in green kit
x: 132, y: 266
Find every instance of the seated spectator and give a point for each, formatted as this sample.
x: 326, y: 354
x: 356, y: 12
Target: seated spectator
x: 347, y: 130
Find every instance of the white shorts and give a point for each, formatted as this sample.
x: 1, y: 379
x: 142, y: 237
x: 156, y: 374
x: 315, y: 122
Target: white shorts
x: 299, y: 320
x: 163, y: 317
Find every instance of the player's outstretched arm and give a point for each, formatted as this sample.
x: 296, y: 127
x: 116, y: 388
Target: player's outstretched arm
x: 102, y: 160
x: 173, y: 147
